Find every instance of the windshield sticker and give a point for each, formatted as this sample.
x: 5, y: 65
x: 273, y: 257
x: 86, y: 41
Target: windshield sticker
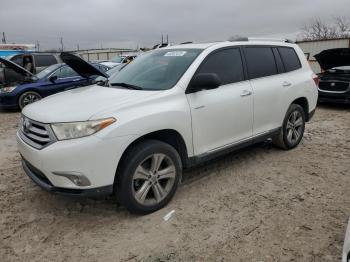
x: 175, y: 53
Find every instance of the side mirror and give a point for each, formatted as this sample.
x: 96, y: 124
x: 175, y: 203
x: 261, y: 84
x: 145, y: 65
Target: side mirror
x: 205, y: 81
x: 53, y: 79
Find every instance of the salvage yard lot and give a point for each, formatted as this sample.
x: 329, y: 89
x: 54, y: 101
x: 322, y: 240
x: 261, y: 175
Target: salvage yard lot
x: 261, y: 204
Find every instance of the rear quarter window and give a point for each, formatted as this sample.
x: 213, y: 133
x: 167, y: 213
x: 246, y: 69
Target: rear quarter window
x: 260, y: 61
x: 290, y: 58
x: 44, y: 60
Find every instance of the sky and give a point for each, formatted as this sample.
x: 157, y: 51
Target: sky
x: 139, y: 23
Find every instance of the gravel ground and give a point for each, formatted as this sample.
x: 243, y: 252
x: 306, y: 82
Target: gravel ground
x: 260, y: 204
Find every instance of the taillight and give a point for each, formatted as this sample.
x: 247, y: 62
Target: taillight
x: 316, y: 79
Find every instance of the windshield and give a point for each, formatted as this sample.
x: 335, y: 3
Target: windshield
x: 118, y: 59
x: 156, y: 70
x: 47, y: 71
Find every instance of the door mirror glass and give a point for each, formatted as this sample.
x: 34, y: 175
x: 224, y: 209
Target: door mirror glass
x: 53, y: 79
x: 204, y: 81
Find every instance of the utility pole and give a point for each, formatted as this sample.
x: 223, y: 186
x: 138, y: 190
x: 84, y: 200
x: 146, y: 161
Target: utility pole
x: 61, y: 41
x: 37, y: 45
x: 3, y: 38
x: 78, y: 47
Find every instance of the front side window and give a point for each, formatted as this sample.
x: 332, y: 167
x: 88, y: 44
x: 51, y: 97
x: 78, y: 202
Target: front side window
x: 65, y: 72
x: 290, y: 58
x: 226, y: 63
x: 156, y: 70
x: 260, y: 62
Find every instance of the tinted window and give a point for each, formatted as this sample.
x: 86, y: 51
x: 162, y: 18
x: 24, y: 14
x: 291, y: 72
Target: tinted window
x: 260, y: 61
x: 65, y: 72
x: 290, y: 58
x: 227, y: 64
x: 44, y: 60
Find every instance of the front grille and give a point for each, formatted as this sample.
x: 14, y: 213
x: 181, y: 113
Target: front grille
x: 334, y: 86
x: 36, y: 134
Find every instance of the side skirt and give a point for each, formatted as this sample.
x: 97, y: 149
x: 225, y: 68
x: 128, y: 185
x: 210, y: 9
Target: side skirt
x: 197, y: 160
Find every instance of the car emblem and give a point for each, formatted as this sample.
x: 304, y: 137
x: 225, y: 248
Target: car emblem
x: 26, y: 125
x: 332, y: 84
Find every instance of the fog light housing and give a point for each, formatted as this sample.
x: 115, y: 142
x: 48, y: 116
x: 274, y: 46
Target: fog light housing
x: 77, y: 178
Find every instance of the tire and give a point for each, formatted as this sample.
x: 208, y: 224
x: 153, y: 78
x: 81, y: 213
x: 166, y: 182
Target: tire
x: 28, y: 98
x: 148, y: 176
x: 292, y: 130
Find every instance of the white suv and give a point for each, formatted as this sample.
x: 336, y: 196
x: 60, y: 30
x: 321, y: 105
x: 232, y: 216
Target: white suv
x: 169, y: 109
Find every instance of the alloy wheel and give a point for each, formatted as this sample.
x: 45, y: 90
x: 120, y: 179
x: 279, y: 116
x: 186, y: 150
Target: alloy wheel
x: 30, y: 98
x: 153, y: 179
x: 294, y: 127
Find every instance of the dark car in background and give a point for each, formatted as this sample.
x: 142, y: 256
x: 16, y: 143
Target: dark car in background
x: 56, y: 78
x: 334, y: 85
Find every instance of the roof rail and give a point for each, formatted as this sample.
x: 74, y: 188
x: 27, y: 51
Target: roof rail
x: 261, y: 39
x: 184, y: 43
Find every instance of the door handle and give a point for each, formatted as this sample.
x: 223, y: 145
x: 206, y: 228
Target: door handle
x: 286, y: 84
x: 246, y: 93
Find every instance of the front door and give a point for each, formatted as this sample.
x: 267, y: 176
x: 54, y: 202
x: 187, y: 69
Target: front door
x: 223, y: 116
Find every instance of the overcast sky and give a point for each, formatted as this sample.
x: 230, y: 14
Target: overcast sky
x: 131, y: 23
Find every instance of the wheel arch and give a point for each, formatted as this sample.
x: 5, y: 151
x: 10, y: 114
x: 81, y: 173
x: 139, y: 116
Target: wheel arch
x: 303, y: 102
x: 169, y: 136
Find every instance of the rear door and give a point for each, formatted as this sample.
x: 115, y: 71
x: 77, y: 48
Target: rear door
x: 269, y: 83
x: 222, y: 116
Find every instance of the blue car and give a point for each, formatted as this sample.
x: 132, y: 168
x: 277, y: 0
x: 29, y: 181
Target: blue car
x: 56, y: 78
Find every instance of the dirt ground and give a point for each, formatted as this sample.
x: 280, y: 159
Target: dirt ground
x: 260, y: 204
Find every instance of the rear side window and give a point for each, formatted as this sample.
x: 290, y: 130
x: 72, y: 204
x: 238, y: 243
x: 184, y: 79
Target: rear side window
x: 290, y: 58
x: 226, y: 63
x: 260, y: 61
x: 44, y: 60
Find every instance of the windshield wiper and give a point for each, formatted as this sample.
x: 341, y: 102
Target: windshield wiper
x: 129, y: 86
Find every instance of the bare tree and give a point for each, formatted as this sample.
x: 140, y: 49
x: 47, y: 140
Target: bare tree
x: 317, y: 29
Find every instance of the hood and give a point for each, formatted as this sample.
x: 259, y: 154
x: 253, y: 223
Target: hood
x: 82, y: 104
x: 333, y: 58
x: 80, y: 66
x: 18, y: 69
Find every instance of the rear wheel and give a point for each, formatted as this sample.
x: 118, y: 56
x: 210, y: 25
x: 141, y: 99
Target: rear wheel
x: 149, y: 175
x: 293, y: 128
x: 28, y: 98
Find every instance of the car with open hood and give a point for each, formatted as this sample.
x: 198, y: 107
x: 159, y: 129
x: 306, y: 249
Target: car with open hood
x: 334, y: 85
x: 17, y: 92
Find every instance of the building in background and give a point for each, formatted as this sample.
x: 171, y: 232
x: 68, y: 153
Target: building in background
x: 313, y: 47
x: 12, y: 49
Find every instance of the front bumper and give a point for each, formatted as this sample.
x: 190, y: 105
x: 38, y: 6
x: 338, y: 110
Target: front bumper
x: 41, y: 180
x: 94, y: 157
x: 8, y: 101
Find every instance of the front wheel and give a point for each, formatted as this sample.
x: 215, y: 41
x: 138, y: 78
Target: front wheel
x: 293, y: 128
x: 148, y: 177
x: 28, y: 98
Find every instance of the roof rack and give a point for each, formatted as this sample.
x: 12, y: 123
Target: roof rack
x: 185, y: 43
x: 261, y: 39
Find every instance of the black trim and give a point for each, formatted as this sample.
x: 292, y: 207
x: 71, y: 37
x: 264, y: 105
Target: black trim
x: 41, y: 180
x: 196, y: 160
x: 311, y: 114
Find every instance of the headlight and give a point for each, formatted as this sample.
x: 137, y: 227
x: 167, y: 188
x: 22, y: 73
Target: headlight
x: 64, y: 131
x: 7, y: 89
